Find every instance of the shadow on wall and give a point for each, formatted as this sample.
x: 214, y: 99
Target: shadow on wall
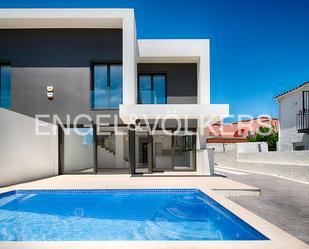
x: 239, y: 147
x: 25, y: 156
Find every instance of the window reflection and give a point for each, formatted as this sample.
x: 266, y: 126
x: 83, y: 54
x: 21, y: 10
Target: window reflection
x: 115, y: 86
x: 5, y: 86
x: 145, y: 90
x: 159, y: 89
x: 106, y: 86
x: 152, y: 89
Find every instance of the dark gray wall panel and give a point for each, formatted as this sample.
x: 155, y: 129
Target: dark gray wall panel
x: 59, y: 47
x: 71, y: 89
x: 181, y: 77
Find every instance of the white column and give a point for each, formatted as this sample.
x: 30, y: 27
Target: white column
x: 204, y: 162
x: 129, y: 59
x: 203, y: 75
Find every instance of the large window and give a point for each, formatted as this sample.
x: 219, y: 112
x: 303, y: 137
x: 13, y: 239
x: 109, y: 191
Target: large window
x: 5, y: 86
x: 152, y: 89
x: 106, y: 87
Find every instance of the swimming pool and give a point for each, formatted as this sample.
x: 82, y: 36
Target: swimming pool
x: 118, y: 214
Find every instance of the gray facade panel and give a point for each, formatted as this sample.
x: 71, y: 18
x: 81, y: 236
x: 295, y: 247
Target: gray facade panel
x: 181, y: 77
x: 59, y: 47
x: 71, y: 93
x: 182, y: 100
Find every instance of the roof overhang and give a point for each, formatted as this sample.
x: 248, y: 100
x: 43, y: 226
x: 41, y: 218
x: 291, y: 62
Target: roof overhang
x: 63, y: 18
x: 304, y: 85
x: 172, y: 50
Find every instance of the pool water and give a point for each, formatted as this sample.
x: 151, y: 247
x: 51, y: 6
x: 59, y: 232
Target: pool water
x: 144, y: 214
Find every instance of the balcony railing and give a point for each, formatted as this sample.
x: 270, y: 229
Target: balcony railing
x: 151, y: 97
x: 302, y: 122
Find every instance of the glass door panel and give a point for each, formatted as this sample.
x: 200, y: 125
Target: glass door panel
x: 143, y: 152
x: 100, y: 87
x: 77, y: 148
x: 145, y: 90
x: 152, y: 89
x: 115, y: 86
x: 162, y: 152
x: 184, y: 152
x: 159, y: 89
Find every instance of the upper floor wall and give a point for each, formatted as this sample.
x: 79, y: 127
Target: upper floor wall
x: 60, y: 58
x: 194, y: 51
x: 64, y: 58
x: 59, y: 47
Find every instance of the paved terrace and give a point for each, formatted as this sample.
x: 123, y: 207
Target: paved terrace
x: 278, y: 239
x: 284, y: 203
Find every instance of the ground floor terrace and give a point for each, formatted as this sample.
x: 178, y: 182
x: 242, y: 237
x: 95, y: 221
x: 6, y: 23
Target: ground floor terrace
x: 214, y: 187
x: 93, y: 149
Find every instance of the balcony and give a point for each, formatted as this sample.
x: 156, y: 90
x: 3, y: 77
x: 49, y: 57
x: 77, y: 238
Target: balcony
x: 211, y: 113
x: 302, y: 123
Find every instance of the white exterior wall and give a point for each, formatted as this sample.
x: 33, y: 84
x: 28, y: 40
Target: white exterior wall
x: 221, y: 147
x: 25, y: 156
x: 276, y: 157
x: 251, y: 147
x: 289, y: 106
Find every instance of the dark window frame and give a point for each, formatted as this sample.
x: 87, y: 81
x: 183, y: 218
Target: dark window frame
x: 152, y: 85
x: 174, y: 169
x: 102, y: 63
x: 305, y: 101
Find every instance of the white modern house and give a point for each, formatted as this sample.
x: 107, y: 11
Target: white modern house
x: 72, y: 62
x: 294, y: 118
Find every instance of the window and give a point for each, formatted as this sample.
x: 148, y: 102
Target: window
x: 5, y: 86
x: 298, y: 146
x: 106, y: 87
x: 152, y: 89
x: 305, y: 101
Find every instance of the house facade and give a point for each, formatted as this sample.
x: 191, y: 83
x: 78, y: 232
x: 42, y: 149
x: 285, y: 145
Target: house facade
x: 122, y: 104
x: 294, y: 118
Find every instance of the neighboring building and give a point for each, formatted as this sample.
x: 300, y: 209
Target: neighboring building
x: 238, y: 131
x: 294, y: 118
x: 88, y: 61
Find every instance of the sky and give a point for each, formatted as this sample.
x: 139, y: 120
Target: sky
x: 258, y: 48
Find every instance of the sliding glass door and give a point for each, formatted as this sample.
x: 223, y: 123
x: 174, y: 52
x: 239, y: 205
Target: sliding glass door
x: 106, y: 86
x: 184, y: 152
x: 152, y: 89
x: 161, y: 152
x: 106, y: 150
x: 143, y: 152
